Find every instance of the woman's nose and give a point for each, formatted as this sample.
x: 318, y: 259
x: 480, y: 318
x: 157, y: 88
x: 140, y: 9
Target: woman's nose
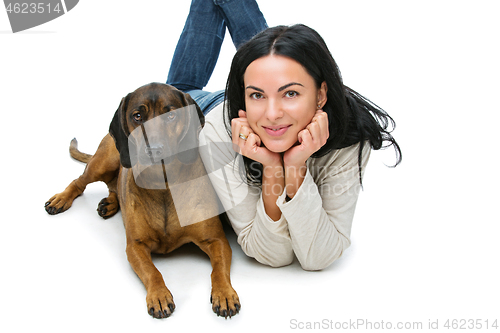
x: 274, y: 110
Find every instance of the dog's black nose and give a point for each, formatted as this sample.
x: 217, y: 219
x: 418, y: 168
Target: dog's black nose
x: 154, y: 150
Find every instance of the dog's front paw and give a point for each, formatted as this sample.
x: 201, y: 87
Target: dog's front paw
x: 59, y: 203
x: 225, y: 302
x: 108, y: 206
x: 160, y: 303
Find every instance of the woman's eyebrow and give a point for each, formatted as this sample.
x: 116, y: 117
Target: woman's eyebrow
x: 289, y: 85
x: 280, y: 89
x: 255, y: 88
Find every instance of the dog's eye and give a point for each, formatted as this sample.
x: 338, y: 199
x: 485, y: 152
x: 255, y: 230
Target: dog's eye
x: 171, y: 116
x: 137, y: 116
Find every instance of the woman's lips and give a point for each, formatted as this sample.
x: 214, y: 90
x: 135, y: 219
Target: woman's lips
x: 276, y: 130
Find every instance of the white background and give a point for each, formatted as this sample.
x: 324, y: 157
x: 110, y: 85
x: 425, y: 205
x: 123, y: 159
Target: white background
x: 425, y: 236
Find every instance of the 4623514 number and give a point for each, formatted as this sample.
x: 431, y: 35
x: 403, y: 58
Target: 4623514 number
x: 33, y: 8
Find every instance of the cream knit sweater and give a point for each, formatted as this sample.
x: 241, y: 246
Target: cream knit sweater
x: 315, y: 225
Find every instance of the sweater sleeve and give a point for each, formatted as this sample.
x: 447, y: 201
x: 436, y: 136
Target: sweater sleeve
x: 320, y: 215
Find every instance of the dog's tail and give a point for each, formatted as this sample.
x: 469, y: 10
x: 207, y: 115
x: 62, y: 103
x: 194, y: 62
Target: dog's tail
x: 76, y: 154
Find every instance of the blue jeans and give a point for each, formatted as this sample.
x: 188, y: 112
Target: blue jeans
x: 200, y: 42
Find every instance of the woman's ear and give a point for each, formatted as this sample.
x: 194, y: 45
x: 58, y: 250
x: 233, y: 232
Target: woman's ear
x: 322, y: 95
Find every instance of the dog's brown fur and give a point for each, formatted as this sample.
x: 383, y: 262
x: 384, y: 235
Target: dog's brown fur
x: 150, y: 219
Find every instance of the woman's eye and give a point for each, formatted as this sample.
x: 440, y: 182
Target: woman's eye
x: 256, y: 95
x: 291, y: 94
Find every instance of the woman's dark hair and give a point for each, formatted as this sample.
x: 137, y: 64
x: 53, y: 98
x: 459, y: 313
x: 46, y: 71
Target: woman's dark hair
x: 352, y: 118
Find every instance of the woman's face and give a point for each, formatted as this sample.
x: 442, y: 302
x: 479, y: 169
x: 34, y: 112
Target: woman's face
x: 281, y: 99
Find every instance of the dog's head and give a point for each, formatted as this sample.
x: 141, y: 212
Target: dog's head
x: 166, y: 120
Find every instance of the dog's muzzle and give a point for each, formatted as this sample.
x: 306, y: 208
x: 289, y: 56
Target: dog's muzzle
x: 155, y: 153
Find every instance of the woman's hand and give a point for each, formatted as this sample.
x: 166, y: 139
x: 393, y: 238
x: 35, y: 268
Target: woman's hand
x: 251, y: 146
x: 310, y: 139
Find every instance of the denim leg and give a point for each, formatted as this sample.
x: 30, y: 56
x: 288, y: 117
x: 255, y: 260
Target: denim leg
x: 200, y: 42
x: 243, y: 19
x: 198, y: 47
x: 206, y: 100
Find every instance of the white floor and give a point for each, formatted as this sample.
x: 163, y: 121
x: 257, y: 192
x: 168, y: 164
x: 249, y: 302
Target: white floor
x: 425, y: 238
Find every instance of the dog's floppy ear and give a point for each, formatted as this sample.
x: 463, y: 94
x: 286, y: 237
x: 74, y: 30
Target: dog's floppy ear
x: 188, y: 142
x: 119, y: 132
x: 190, y: 101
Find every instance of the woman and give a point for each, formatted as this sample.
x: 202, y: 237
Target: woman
x: 302, y: 139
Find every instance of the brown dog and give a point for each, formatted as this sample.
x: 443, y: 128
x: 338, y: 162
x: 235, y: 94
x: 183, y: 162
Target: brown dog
x: 150, y: 217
